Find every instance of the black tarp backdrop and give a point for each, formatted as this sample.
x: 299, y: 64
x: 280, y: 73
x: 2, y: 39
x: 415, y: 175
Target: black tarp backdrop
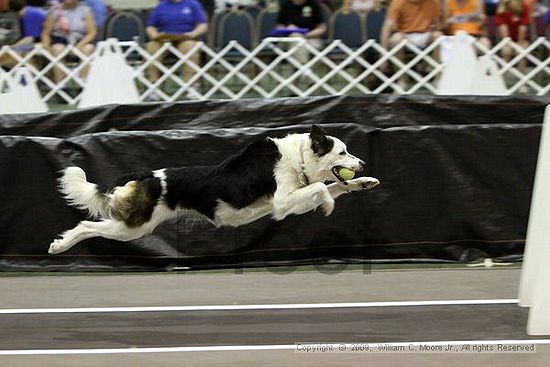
x: 456, y: 177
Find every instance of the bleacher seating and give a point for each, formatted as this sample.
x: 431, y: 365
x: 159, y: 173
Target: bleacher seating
x: 265, y: 22
x: 326, y: 13
x: 144, y: 15
x: 374, y: 22
x: 253, y: 11
x: 126, y: 26
x: 235, y: 26
x: 9, y: 29
x: 213, y: 27
x: 349, y: 27
x: 247, y: 26
x: 250, y: 25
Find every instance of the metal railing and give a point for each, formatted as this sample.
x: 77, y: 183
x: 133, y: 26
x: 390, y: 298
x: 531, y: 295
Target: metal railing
x: 272, y: 70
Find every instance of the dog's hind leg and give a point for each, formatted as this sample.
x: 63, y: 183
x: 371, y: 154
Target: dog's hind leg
x: 108, y: 228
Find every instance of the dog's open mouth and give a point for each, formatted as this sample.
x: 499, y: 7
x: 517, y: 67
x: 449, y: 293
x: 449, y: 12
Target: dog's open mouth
x: 336, y: 173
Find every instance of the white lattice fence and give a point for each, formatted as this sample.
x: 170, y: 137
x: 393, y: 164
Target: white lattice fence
x: 272, y: 70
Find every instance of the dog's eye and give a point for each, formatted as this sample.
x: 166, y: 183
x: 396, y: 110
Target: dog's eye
x: 342, y: 153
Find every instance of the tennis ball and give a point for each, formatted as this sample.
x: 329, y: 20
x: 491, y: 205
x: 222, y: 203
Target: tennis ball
x: 346, y: 173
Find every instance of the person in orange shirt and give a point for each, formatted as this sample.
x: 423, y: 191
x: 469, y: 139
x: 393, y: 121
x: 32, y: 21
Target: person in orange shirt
x: 418, y: 21
x: 467, y: 16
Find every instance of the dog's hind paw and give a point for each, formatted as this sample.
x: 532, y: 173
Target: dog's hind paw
x: 57, y: 246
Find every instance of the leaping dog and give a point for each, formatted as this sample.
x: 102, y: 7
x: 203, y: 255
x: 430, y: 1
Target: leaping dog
x: 272, y: 176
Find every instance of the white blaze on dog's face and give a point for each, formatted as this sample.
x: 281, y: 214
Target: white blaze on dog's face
x: 331, y: 154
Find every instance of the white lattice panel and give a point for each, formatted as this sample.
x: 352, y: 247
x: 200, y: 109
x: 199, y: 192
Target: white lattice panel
x: 272, y: 70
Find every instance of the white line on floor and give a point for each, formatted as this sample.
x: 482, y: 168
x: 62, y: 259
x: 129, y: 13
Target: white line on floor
x: 287, y: 306
x: 410, y: 346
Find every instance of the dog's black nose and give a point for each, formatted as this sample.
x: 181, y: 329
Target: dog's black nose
x: 363, y: 165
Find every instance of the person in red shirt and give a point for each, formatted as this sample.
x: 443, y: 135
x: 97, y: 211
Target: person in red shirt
x: 512, y: 19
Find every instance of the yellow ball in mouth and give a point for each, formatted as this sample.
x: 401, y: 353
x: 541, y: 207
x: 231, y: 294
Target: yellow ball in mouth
x: 346, y: 173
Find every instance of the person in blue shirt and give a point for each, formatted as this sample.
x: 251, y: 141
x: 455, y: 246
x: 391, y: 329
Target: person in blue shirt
x: 31, y: 21
x: 32, y: 18
x: 181, y: 22
x: 99, y: 9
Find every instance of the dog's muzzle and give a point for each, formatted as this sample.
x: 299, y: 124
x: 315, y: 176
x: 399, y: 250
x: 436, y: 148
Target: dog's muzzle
x: 335, y: 170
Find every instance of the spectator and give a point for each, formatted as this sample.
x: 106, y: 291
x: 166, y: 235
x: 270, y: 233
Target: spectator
x: 305, y: 14
x: 467, y: 16
x: 531, y: 5
x: 512, y: 19
x: 490, y: 7
x: 360, y: 6
x: 69, y: 23
x: 31, y: 19
x: 99, y: 9
x: 418, y: 21
x: 181, y: 22
x: 224, y: 5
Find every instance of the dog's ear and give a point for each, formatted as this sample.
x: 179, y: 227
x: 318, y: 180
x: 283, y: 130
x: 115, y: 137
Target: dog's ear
x: 316, y: 129
x: 320, y: 143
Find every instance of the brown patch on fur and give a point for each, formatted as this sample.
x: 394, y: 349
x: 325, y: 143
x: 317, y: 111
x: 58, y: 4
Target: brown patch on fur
x: 133, y: 203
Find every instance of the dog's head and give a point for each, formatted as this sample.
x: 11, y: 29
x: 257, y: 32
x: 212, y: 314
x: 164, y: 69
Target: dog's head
x: 328, y: 155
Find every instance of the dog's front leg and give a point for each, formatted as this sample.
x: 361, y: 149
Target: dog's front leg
x: 361, y: 183
x: 302, y: 200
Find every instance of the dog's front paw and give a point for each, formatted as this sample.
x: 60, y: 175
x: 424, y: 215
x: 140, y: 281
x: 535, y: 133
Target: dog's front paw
x: 328, y: 206
x: 362, y: 183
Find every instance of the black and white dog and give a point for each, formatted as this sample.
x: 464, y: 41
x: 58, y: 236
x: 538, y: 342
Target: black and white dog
x: 277, y: 177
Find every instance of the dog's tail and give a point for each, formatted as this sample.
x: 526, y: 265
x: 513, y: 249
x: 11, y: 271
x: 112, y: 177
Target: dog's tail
x: 82, y: 194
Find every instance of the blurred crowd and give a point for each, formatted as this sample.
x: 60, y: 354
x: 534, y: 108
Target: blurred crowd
x: 58, y: 23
